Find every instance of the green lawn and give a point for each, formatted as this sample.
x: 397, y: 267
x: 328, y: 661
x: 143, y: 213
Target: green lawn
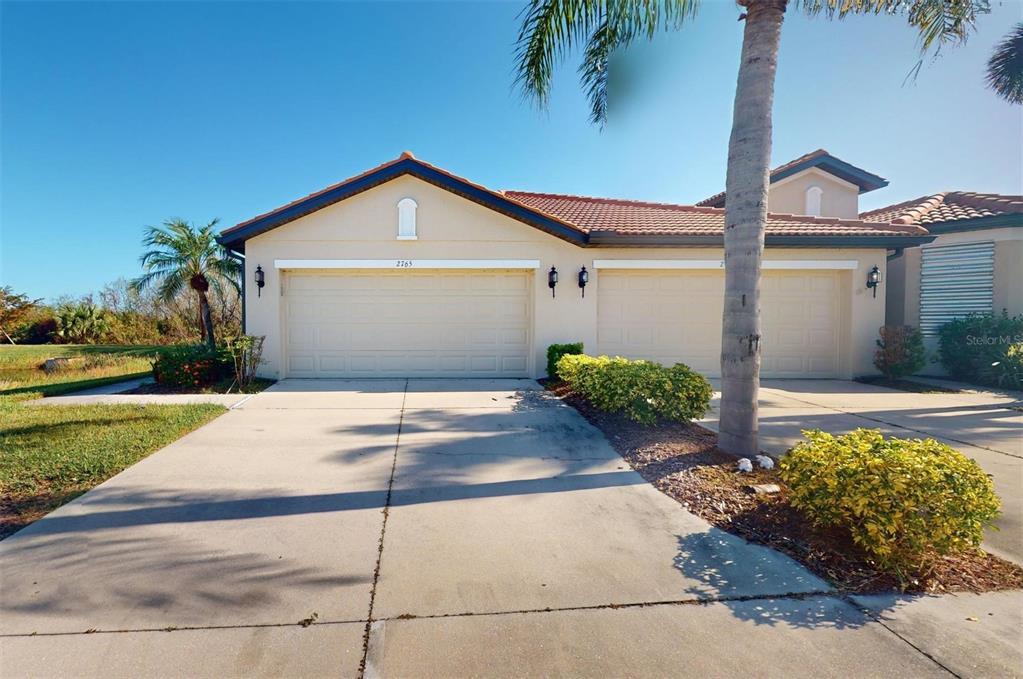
x: 21, y: 366
x: 51, y: 454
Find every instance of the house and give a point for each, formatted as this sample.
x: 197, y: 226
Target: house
x: 410, y: 270
x: 974, y: 264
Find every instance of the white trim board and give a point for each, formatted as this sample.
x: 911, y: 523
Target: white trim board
x: 827, y: 264
x: 406, y: 263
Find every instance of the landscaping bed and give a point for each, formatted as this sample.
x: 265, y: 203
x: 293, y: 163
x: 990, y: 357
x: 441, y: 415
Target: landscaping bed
x: 51, y: 455
x: 683, y: 461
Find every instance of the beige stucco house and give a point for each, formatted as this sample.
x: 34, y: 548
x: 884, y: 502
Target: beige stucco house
x: 409, y: 270
x: 973, y: 265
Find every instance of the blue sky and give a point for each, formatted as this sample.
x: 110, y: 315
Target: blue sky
x: 118, y: 115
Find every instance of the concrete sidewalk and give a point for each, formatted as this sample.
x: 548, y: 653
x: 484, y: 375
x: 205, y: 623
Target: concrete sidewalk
x: 436, y: 528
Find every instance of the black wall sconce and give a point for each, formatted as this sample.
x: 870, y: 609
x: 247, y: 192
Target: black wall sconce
x: 260, y: 281
x: 584, y: 278
x: 552, y: 279
x: 874, y: 279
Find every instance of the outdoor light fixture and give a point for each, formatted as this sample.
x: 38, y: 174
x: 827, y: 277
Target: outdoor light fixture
x: 260, y: 281
x: 552, y: 279
x: 584, y: 278
x: 874, y: 279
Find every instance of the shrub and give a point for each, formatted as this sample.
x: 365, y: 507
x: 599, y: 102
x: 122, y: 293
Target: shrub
x: 641, y: 390
x: 554, y: 354
x: 191, y: 366
x: 900, y: 351
x: 81, y: 322
x: 901, y: 499
x: 246, y: 354
x: 968, y: 347
x: 1007, y: 372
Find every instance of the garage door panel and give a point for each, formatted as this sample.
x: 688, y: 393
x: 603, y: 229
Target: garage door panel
x: 675, y: 316
x: 422, y: 323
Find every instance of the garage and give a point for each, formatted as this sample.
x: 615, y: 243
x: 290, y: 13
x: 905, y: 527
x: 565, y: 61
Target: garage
x: 407, y: 323
x: 674, y: 316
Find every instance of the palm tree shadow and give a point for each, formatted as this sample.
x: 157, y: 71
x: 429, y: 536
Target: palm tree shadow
x: 730, y: 569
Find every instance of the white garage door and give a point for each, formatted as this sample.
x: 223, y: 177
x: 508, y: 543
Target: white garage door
x: 408, y: 324
x: 675, y: 316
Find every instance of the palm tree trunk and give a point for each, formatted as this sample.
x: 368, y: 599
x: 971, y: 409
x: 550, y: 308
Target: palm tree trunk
x: 749, y: 155
x: 207, y: 319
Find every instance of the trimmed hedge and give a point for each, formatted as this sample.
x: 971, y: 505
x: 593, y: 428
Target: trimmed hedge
x: 554, y: 354
x: 191, y: 366
x: 641, y: 390
x: 969, y: 349
x: 900, y: 499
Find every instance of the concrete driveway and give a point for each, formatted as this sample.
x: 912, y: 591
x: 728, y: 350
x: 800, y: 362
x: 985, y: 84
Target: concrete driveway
x: 982, y: 425
x: 427, y: 528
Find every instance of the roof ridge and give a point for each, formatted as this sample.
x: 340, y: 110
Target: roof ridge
x: 618, y: 201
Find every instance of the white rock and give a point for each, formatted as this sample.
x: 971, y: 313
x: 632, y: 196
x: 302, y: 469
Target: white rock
x: 765, y: 462
x: 745, y: 465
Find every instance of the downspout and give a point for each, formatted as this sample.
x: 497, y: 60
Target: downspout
x: 241, y: 260
x: 895, y: 254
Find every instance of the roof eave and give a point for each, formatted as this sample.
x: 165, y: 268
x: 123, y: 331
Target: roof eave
x: 234, y: 238
x: 612, y: 239
x: 976, y: 223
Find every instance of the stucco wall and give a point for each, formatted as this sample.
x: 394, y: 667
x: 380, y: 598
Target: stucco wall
x: 450, y: 227
x: 840, y: 198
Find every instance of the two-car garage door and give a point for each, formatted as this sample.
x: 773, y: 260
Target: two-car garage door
x: 675, y: 315
x: 477, y: 323
x: 405, y: 323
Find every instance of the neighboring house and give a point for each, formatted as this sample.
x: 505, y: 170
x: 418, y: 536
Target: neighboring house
x: 408, y: 270
x: 974, y: 264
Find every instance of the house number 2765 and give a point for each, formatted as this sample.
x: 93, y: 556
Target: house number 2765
x: 403, y: 264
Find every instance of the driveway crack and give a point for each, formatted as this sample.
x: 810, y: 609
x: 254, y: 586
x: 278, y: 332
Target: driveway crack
x: 380, y: 546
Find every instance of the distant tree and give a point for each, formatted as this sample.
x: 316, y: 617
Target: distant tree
x: 182, y: 255
x: 551, y: 29
x: 81, y: 322
x: 13, y: 308
x: 1005, y: 68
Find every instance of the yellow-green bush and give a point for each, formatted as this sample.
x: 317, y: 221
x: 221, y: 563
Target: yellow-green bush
x: 641, y: 390
x: 899, y: 498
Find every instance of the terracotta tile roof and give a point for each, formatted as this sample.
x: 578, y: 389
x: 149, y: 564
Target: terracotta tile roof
x: 867, y: 181
x: 946, y: 207
x: 631, y: 217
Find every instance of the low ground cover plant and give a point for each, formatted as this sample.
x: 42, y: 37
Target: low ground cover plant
x: 983, y: 348
x: 554, y: 354
x: 900, y: 351
x: 643, y: 391
x: 902, y: 500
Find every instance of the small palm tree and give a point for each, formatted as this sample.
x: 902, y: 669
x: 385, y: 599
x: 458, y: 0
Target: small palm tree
x: 181, y: 254
x: 1005, y: 68
x: 551, y: 28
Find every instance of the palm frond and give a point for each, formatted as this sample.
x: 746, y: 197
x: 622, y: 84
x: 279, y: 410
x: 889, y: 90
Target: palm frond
x: 938, y: 22
x: 552, y: 28
x: 1005, y: 68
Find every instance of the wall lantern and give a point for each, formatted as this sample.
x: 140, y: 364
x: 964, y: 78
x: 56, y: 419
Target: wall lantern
x: 260, y: 281
x: 874, y: 279
x: 552, y: 279
x: 584, y: 278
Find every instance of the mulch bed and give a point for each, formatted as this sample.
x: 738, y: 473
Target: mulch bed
x: 683, y: 461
